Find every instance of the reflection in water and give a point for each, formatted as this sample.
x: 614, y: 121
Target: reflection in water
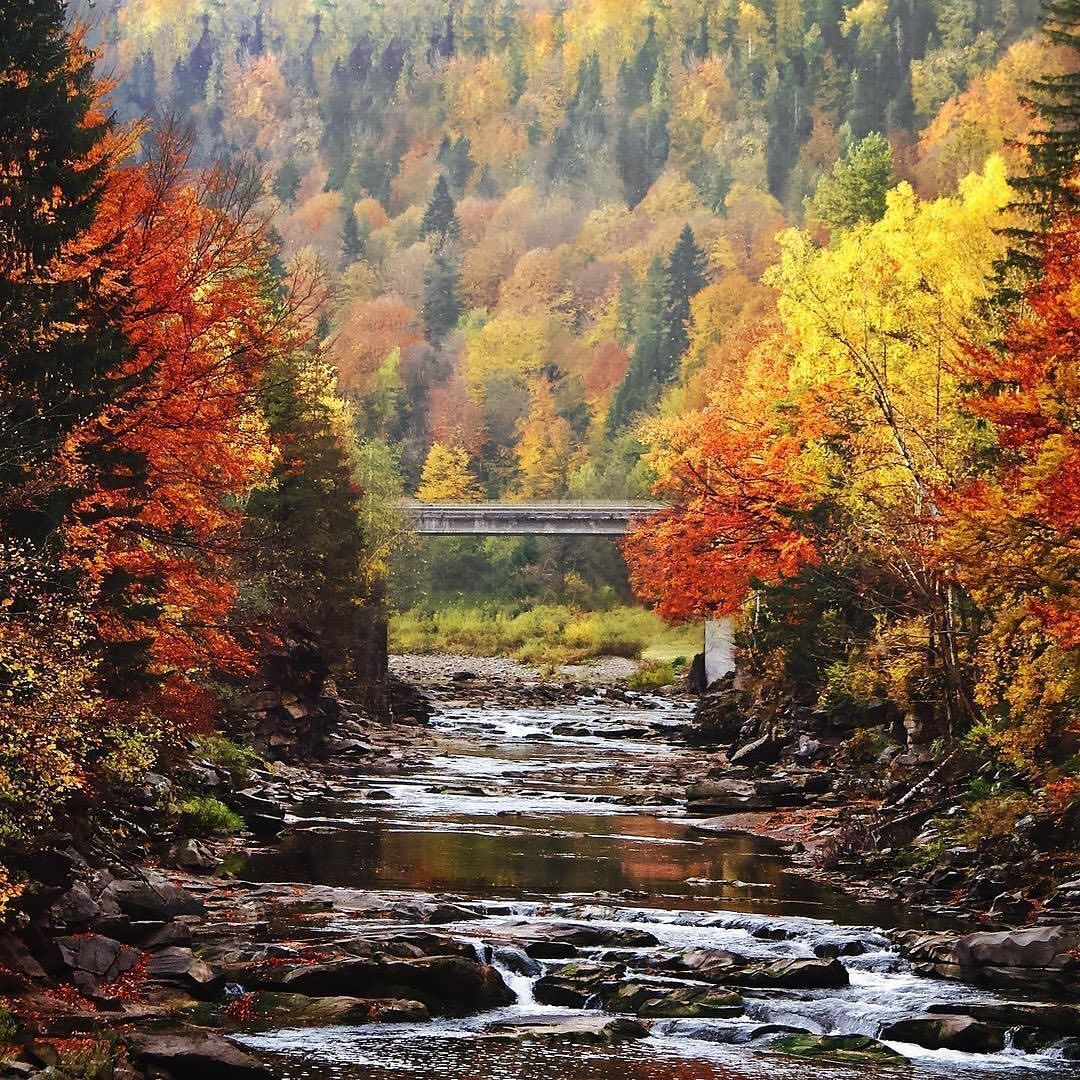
x: 534, y: 833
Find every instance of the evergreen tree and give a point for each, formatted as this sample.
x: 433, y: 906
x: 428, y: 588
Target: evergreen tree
x: 856, y: 190
x: 52, y: 172
x: 641, y: 152
x: 441, y: 309
x: 456, y: 158
x: 287, y: 182
x: 352, y: 243
x: 1048, y: 185
x: 636, y: 76
x: 685, y: 278
x: 640, y: 389
x: 308, y: 517
x: 440, y: 218
x: 580, y: 137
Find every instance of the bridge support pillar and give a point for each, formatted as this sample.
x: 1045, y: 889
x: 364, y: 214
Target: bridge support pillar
x: 719, y: 649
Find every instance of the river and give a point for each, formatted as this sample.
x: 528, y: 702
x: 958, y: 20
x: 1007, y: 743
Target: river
x: 531, y: 832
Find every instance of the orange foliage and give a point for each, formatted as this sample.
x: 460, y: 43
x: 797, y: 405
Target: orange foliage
x: 610, y: 362
x: 370, y: 330
x: 454, y: 419
x: 179, y: 260
x: 732, y: 472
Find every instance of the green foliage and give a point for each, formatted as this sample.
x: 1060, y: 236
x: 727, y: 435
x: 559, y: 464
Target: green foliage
x: 218, y: 750
x: 9, y: 1025
x: 855, y: 192
x: 308, y: 518
x: 441, y: 308
x: 652, y: 675
x: 440, y: 218
x: 204, y: 816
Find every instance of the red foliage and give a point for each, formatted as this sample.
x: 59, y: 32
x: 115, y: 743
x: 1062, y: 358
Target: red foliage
x: 180, y: 264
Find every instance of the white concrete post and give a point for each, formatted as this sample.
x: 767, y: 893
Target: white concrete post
x: 719, y: 649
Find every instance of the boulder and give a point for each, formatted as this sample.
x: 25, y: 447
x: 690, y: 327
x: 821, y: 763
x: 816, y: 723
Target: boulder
x: 947, y: 1032
x: 151, y: 898
x: 449, y: 985
x: 794, y: 974
x: 195, y: 855
x: 763, y: 751
x: 76, y: 907
x: 726, y: 796
x: 689, y: 1001
x: 1044, y: 958
x: 302, y: 1009
x: 853, y: 1049
x: 180, y: 967
x: 583, y: 1030
x: 576, y: 986
x: 550, y: 950
x: 91, y: 959
x: 205, y: 1056
x: 1053, y: 1019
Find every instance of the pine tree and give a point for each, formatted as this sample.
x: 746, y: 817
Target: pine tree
x: 1048, y: 185
x: 54, y: 156
x: 441, y: 308
x: 287, y: 182
x: 440, y: 218
x: 352, y: 243
x: 639, y: 391
x: 856, y: 190
x: 685, y: 278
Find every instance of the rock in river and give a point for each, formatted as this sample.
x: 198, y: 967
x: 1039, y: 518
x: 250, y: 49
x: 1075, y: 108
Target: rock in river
x: 205, y: 1056
x: 1044, y: 958
x: 947, y: 1032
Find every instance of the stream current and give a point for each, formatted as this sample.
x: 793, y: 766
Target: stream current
x: 530, y: 829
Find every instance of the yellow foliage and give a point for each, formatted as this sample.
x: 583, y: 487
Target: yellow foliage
x: 446, y: 476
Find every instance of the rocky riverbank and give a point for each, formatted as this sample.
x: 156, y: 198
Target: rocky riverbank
x: 167, y: 960
x: 882, y: 815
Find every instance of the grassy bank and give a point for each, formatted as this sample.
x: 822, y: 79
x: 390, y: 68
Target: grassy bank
x: 545, y: 634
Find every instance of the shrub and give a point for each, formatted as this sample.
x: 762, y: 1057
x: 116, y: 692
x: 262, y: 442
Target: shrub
x: 994, y: 818
x: 226, y: 754
x: 652, y: 675
x: 9, y: 1026
x: 206, y: 816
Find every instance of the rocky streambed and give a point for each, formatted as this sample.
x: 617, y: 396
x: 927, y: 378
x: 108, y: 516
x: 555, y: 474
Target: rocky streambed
x: 518, y: 891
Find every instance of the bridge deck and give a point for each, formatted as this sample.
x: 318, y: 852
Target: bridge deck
x: 527, y: 519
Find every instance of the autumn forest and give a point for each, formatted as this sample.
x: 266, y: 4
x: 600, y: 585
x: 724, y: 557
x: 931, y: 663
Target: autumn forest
x: 804, y: 271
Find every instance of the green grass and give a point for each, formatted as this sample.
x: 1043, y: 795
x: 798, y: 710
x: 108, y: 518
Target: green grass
x: 544, y: 634
x: 204, y: 816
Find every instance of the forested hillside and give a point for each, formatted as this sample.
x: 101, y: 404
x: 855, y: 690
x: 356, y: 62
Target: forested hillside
x: 544, y: 221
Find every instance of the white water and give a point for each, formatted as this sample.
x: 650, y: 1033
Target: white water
x: 549, y: 843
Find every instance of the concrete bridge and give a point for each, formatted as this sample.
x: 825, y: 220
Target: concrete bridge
x: 560, y: 519
x: 527, y: 519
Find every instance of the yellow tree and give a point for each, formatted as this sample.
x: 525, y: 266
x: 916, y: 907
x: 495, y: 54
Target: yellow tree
x: 446, y: 476
x: 543, y: 445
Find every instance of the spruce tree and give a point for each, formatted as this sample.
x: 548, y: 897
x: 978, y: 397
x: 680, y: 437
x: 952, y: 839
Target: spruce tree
x: 640, y: 389
x: 580, y: 137
x: 308, y: 517
x: 441, y: 308
x: 352, y: 243
x: 51, y: 374
x: 685, y: 278
x: 1047, y: 187
x: 287, y: 182
x: 440, y: 218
